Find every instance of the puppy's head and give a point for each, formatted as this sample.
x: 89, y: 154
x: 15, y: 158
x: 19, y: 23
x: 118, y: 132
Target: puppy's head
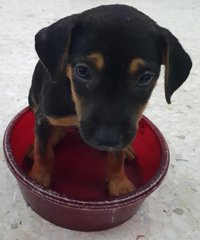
x: 112, y: 56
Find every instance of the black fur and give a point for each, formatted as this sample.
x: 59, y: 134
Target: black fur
x: 112, y: 99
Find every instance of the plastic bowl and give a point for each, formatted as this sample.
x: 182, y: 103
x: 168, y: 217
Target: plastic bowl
x: 78, y: 197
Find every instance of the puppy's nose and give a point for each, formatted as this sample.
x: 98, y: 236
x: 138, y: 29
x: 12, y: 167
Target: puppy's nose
x: 107, y: 137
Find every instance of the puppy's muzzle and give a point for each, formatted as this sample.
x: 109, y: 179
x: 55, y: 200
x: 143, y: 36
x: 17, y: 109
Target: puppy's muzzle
x: 107, y: 138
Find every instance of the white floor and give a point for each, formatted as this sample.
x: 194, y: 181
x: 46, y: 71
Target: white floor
x: 173, y: 211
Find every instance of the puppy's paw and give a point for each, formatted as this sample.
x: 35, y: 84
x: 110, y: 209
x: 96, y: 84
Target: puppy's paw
x: 129, y: 153
x: 120, y: 185
x: 43, y: 177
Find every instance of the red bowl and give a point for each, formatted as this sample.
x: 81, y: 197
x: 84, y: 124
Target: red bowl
x: 78, y: 197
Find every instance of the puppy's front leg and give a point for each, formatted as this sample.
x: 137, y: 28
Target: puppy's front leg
x: 118, y: 182
x: 43, y: 154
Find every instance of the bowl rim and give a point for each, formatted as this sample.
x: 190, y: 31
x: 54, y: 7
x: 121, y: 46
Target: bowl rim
x: 126, y: 199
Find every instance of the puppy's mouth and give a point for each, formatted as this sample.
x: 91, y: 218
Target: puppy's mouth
x: 116, y: 148
x: 106, y: 138
x: 92, y: 142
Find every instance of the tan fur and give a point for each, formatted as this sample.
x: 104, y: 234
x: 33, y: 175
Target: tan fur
x: 129, y: 153
x: 63, y: 122
x: 135, y: 64
x: 118, y: 183
x: 75, y: 98
x: 43, y: 163
x: 97, y: 59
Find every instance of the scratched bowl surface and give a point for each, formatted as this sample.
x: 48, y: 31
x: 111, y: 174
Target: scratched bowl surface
x: 78, y: 198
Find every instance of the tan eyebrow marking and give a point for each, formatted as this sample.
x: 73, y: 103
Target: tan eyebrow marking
x: 135, y: 64
x: 97, y: 59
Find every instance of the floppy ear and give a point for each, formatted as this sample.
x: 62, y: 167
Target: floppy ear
x: 177, y: 63
x: 52, y: 43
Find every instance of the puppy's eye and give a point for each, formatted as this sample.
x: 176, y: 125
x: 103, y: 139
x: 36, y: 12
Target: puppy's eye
x: 83, y: 72
x: 145, y: 79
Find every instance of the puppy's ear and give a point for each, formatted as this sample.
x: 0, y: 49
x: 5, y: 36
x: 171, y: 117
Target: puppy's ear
x: 177, y: 63
x: 52, y: 43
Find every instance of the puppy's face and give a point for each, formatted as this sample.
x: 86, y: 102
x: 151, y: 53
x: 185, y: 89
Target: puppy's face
x: 111, y: 55
x: 113, y: 70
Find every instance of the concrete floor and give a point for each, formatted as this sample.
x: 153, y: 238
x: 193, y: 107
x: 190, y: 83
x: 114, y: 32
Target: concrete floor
x: 173, y: 211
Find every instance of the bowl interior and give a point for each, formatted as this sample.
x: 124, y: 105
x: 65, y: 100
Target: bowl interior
x: 79, y: 170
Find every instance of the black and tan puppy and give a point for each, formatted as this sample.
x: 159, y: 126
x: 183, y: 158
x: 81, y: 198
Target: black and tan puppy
x: 96, y: 71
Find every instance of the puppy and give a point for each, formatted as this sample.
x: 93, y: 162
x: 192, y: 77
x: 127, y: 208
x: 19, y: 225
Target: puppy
x: 96, y: 71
